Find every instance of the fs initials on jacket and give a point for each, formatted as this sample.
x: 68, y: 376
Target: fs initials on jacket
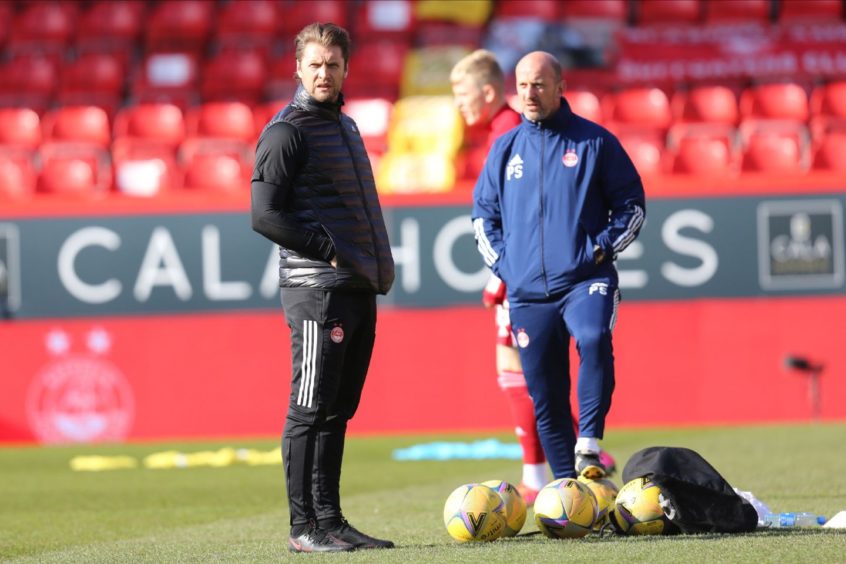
x: 550, y: 192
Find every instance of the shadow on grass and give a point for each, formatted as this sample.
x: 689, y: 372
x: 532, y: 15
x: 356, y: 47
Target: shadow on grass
x: 533, y: 536
x: 614, y: 537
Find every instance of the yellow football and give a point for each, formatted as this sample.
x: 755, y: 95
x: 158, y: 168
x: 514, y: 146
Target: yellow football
x: 474, y: 512
x: 565, y: 508
x: 515, y: 507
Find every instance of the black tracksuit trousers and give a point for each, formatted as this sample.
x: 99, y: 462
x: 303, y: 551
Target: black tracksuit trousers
x: 332, y: 336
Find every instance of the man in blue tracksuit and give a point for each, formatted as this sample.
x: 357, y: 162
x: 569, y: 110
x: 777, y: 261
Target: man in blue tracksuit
x: 557, y: 200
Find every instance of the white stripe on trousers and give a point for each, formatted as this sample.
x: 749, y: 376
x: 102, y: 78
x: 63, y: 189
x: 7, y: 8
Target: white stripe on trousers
x: 614, y: 312
x: 305, y: 396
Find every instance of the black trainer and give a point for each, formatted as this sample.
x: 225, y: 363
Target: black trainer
x: 356, y: 538
x: 316, y: 539
x: 589, y: 466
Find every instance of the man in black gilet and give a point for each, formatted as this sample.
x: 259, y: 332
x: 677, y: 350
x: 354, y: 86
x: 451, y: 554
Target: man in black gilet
x: 313, y: 194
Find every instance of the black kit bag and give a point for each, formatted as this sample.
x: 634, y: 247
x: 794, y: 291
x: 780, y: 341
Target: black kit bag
x: 696, y: 498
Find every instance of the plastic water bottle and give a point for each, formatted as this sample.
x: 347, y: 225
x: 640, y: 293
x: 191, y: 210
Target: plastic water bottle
x: 802, y: 519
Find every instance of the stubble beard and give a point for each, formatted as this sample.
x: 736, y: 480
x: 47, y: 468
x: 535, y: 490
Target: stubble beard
x: 330, y: 95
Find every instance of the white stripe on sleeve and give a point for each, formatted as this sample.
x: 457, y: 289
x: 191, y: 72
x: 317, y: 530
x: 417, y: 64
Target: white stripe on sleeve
x: 488, y: 253
x: 627, y: 236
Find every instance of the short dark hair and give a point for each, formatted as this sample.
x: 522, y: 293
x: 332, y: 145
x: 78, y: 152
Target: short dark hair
x: 326, y: 34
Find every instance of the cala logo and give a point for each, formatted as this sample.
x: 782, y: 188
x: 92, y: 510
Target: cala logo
x: 79, y: 397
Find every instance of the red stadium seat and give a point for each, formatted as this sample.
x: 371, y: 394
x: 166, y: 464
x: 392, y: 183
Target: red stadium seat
x: 683, y: 129
x: 263, y: 113
x: 28, y: 82
x: 247, y: 23
x: 644, y: 108
x: 786, y: 101
x: 7, y: 11
x: 714, y: 104
x: 234, y: 75
x: 201, y: 147
x: 225, y: 120
x: 704, y: 155
x: 773, y: 152
x: 723, y: 11
x: 611, y: 10
x: 297, y: 14
x: 814, y: 10
x: 167, y: 77
x: 527, y: 9
x: 67, y: 176
x: 378, y: 69
x: 163, y: 123
x: 216, y: 173
x: 111, y: 26
x: 140, y: 148
x: 144, y: 167
x: 645, y: 151
x: 17, y: 174
x: 828, y: 109
x: 109, y: 103
x: 74, y: 169
x: 94, y: 72
x: 831, y: 153
x: 95, y: 79
x: 280, y: 81
x: 829, y: 100
x: 20, y: 127
x: 87, y: 124
x: 584, y: 103
x: 651, y: 12
x: 43, y: 27
x: 27, y: 76
x: 784, y: 128
x: 179, y: 25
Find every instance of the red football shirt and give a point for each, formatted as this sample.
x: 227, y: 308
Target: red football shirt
x: 504, y: 120
x: 481, y: 138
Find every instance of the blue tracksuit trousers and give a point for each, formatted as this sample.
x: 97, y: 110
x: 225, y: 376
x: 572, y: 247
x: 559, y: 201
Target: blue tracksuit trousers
x: 542, y: 331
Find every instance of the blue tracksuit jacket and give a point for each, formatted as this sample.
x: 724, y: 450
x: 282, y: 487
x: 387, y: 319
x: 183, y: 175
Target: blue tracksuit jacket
x: 550, y: 191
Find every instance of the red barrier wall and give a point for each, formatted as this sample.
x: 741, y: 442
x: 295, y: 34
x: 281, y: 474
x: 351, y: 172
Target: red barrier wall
x: 679, y: 363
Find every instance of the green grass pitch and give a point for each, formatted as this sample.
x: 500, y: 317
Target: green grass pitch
x: 237, y: 513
